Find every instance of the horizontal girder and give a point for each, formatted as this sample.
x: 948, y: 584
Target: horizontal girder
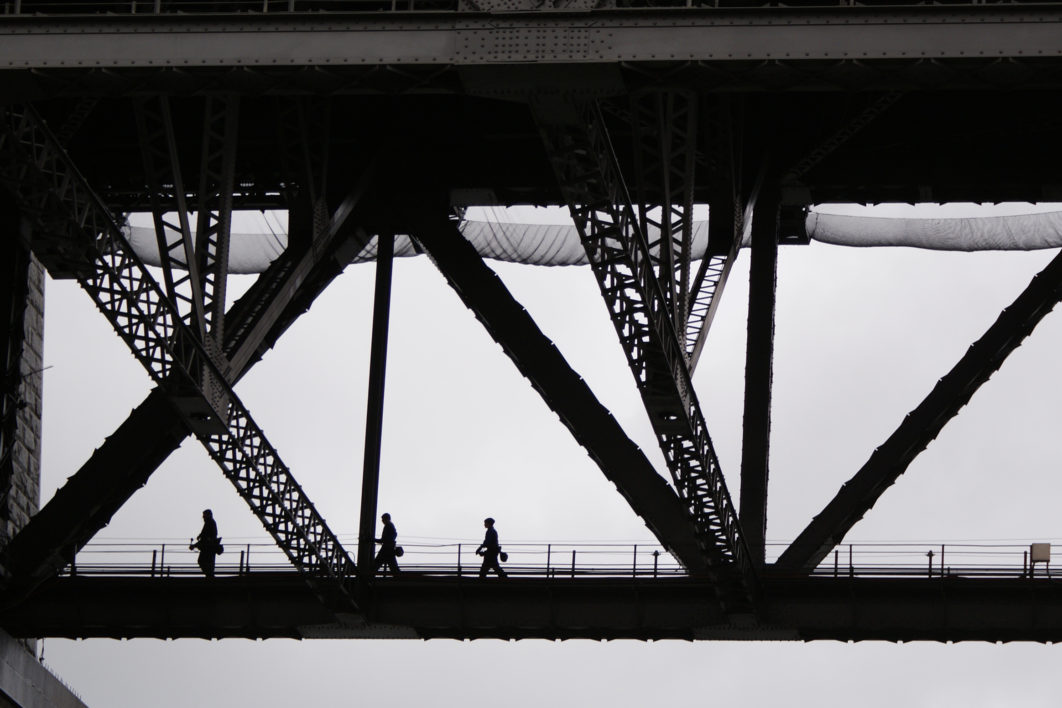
x: 922, y: 32
x: 279, y: 605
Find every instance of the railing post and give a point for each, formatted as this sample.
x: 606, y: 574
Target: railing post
x: 634, y: 567
x: 836, y: 562
x: 942, y: 560
x: 573, y: 562
x: 930, y: 557
x: 162, y: 559
x: 248, y: 561
x: 459, y: 560
x: 154, y: 555
x: 851, y: 569
x: 656, y: 560
x: 549, y: 549
x: 240, y: 571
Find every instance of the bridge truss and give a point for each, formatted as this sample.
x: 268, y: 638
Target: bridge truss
x: 629, y: 116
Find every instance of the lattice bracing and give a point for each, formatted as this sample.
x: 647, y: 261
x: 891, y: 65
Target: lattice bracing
x: 665, y: 129
x: 77, y: 235
x: 714, y: 268
x: 587, y: 171
x: 214, y: 216
x: 162, y: 168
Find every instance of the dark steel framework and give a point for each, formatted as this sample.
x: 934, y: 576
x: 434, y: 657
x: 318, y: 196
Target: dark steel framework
x: 628, y: 115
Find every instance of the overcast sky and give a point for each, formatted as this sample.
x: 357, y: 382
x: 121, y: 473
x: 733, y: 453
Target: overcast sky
x: 862, y: 335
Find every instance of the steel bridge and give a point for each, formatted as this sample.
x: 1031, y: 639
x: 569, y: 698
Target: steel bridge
x: 377, y: 118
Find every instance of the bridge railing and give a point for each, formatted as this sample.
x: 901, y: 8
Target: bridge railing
x: 928, y: 559
x: 174, y: 558
x: 570, y: 560
x: 193, y: 7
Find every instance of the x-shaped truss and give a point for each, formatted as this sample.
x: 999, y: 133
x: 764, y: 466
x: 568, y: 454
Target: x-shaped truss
x: 76, y: 234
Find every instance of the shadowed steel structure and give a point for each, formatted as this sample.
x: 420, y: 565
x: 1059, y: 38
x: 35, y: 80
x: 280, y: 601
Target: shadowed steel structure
x: 627, y: 113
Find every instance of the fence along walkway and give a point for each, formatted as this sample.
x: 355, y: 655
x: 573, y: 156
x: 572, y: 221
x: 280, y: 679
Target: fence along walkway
x: 577, y: 560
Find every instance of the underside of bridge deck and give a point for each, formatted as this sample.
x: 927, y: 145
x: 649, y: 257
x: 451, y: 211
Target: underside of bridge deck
x: 803, y: 609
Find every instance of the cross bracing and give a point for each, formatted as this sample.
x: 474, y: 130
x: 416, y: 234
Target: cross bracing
x: 51, y: 193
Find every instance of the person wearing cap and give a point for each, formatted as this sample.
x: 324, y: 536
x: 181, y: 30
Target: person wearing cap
x: 388, y: 541
x: 490, y: 549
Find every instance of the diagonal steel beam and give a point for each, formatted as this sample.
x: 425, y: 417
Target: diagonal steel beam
x: 922, y: 425
x: 88, y: 500
x: 588, y: 174
x: 162, y: 167
x: 217, y: 176
x: 725, y: 225
x: 73, y: 225
x: 562, y: 389
x: 15, y: 264
x: 294, y: 281
x: 664, y: 124
x: 711, y: 278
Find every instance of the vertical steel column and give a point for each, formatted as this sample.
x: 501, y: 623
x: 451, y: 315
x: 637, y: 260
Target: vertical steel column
x: 755, y: 444
x: 370, y: 479
x: 14, y: 291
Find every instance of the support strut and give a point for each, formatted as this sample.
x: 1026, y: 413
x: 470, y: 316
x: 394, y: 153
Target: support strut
x: 370, y: 479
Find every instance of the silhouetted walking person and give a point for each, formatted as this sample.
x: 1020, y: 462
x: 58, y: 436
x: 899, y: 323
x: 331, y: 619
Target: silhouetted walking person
x: 388, y: 541
x: 208, y: 543
x: 490, y: 549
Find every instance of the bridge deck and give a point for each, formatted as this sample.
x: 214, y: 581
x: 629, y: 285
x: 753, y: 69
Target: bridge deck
x: 279, y: 605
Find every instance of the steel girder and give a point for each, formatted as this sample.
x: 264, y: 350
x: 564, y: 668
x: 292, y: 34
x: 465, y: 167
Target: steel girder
x: 89, y: 498
x: 217, y: 171
x: 195, y: 266
x: 77, y: 234
x: 922, y: 425
x: 772, y: 35
x: 724, y: 225
x: 580, y: 151
x: 167, y: 193
x: 665, y: 136
x: 14, y: 273
x: 562, y: 389
x: 374, y: 406
x: 264, y: 605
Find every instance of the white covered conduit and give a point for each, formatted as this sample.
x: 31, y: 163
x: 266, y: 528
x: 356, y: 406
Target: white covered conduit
x: 1021, y: 232
x: 554, y: 245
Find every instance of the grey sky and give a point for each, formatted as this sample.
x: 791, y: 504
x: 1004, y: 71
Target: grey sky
x: 862, y: 335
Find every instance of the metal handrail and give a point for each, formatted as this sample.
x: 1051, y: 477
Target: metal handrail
x: 574, y: 560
